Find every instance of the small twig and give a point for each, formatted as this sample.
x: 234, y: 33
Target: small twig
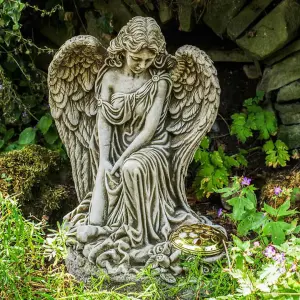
x: 224, y: 122
x: 227, y: 254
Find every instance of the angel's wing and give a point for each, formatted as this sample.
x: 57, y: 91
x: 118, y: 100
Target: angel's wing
x: 193, y: 108
x: 71, y: 80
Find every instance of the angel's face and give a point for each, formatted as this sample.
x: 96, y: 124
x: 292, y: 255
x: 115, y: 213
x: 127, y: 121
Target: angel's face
x: 140, y: 61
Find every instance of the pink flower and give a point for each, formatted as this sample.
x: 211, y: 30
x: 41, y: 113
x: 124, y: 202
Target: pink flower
x: 256, y: 244
x: 246, y: 181
x: 277, y: 190
x: 269, y: 251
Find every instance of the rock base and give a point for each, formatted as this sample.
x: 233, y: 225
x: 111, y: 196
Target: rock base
x: 83, y: 269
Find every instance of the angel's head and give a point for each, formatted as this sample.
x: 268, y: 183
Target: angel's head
x: 140, y: 44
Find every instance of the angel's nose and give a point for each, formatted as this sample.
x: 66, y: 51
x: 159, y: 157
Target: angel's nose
x: 142, y: 64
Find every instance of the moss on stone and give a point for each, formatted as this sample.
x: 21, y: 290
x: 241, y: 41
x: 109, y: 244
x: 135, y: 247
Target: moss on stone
x: 33, y: 175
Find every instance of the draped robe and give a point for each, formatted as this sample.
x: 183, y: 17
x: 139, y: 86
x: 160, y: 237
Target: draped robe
x: 143, y: 207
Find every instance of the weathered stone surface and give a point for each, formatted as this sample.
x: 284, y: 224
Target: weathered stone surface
x: 185, y: 16
x: 121, y: 14
x: 246, y: 17
x: 288, y: 108
x: 95, y: 28
x: 220, y: 12
x: 165, y: 11
x: 289, y: 92
x: 290, y: 135
x: 290, y: 118
x: 281, y: 73
x: 281, y: 54
x: 236, y: 55
x: 273, y: 31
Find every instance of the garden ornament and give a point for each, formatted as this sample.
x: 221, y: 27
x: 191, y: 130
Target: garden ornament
x: 131, y: 118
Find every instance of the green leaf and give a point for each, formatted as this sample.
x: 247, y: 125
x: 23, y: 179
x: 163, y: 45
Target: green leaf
x: 270, y: 210
x: 252, y: 221
x: 239, y: 127
x: 205, y: 143
x: 283, y: 209
x: 2, y: 128
x: 1, y: 143
x: 216, y: 159
x: 240, y: 244
x: 9, y: 134
x: 240, y: 206
x: 44, y: 124
x: 277, y: 231
x: 27, y: 136
x: 51, y: 136
x: 260, y: 95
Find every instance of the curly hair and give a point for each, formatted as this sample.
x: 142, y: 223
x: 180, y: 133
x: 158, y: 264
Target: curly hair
x: 139, y: 33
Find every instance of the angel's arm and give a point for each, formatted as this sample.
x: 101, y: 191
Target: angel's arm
x: 150, y: 126
x: 104, y: 128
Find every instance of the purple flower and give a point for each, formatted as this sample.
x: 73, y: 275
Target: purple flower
x: 281, y: 270
x: 220, y: 210
x: 277, y: 190
x: 269, y: 251
x: 256, y: 244
x: 279, y: 257
x: 293, y: 268
x: 246, y: 181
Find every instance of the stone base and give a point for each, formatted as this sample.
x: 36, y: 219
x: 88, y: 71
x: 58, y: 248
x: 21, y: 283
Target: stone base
x: 83, y: 269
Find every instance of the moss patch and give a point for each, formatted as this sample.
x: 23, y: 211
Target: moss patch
x: 35, y: 175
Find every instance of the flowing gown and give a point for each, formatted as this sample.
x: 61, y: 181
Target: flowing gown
x: 143, y: 207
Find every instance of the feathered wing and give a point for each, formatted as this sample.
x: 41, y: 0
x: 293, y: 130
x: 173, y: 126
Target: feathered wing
x: 193, y: 108
x: 71, y: 79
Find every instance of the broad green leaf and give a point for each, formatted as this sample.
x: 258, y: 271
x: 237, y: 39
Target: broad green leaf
x: 51, y: 136
x: 270, y: 210
x: 240, y: 244
x: 240, y: 206
x: 27, y: 136
x: 1, y: 143
x: 283, y: 209
x: 9, y: 134
x: 252, y: 221
x: 44, y: 124
x: 277, y: 231
x: 2, y: 129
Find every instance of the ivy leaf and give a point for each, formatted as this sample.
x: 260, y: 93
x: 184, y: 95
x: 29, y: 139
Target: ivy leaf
x: 27, y: 136
x: 44, y: 123
x: 277, y: 231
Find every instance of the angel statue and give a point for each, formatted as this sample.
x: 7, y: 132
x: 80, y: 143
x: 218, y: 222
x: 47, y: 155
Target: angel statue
x: 131, y: 119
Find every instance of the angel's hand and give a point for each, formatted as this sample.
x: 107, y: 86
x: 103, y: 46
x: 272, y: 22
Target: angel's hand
x: 117, y: 165
x: 106, y: 166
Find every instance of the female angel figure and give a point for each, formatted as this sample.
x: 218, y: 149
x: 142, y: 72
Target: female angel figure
x: 131, y: 124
